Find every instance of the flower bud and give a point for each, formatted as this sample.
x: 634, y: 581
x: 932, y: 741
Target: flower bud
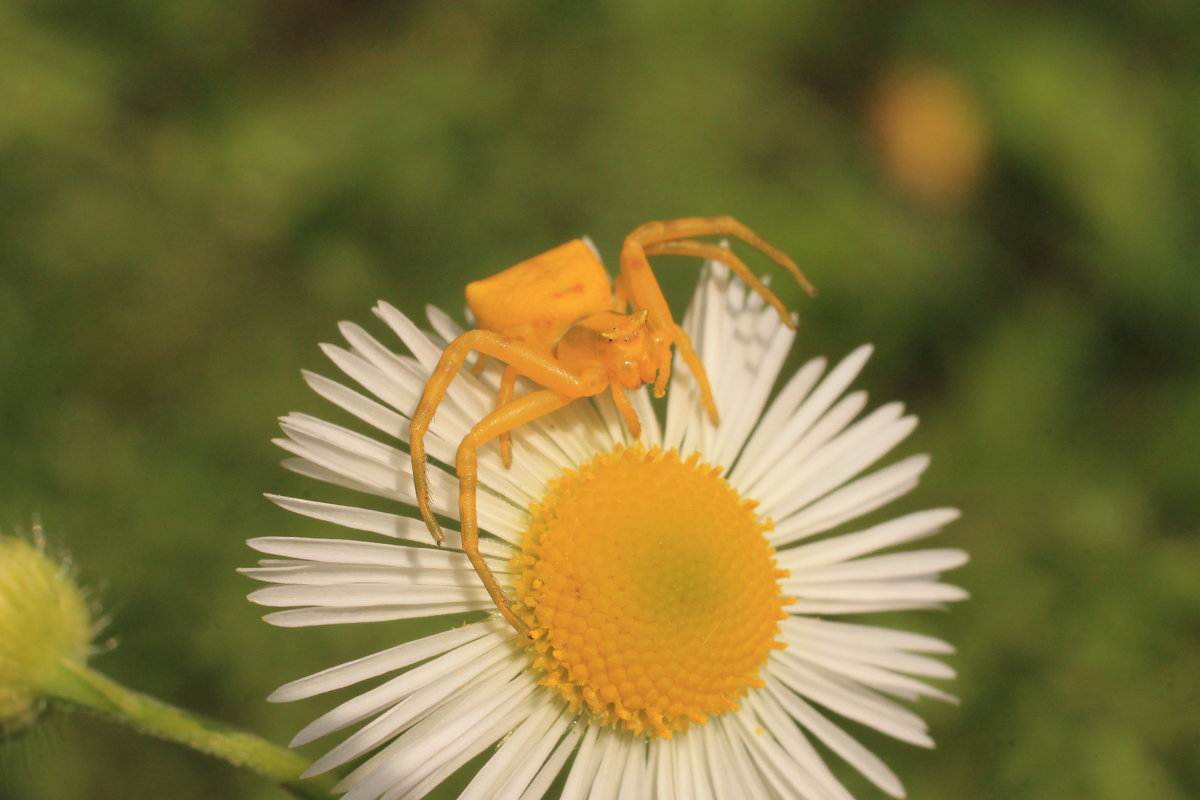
x: 45, y: 622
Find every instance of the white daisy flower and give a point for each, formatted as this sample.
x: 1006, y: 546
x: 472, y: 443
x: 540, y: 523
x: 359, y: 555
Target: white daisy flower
x: 684, y: 586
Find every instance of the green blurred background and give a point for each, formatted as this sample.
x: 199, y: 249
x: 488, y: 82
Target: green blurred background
x: 1002, y: 197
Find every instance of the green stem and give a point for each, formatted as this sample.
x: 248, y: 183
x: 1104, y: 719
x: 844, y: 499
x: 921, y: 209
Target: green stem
x: 80, y: 686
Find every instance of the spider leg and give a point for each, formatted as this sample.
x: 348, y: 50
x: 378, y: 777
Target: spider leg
x: 646, y: 294
x: 621, y: 400
x: 716, y: 252
x: 662, y: 351
x: 620, y: 294
x: 499, y: 422
x: 529, y: 360
x: 479, y: 365
x: 508, y: 384
x: 655, y: 232
x: 692, y: 359
x: 638, y: 283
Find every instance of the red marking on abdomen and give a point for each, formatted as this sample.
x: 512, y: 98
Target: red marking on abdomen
x: 576, y: 289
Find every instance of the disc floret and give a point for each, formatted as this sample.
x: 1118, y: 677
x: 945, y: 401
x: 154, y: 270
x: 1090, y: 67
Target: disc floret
x: 651, y: 589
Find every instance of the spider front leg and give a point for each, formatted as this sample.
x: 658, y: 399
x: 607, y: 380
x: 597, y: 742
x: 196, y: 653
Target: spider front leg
x: 529, y: 361
x: 652, y: 233
x: 637, y: 282
x: 527, y: 408
x: 716, y: 252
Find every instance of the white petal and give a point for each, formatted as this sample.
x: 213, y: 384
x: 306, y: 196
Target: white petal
x: 443, y: 740
x: 882, y: 680
x: 348, y: 551
x: 306, y: 574
x: 863, y: 637
x: 583, y: 771
x: 664, y: 770
x: 736, y: 761
x: 741, y: 411
x: 690, y: 773
x: 376, y: 664
x: 634, y: 773
x: 612, y: 746
x: 777, y: 415
x: 411, y: 746
x: 905, y: 592
x: 399, y: 389
x: 364, y: 595
x: 888, y: 567
x: 779, y: 768
x: 357, y: 457
x: 815, y: 635
x: 426, y: 351
x: 493, y: 674
x: 687, y: 422
x: 400, y: 368
x: 850, y: 700
x: 855, y: 449
x: 374, y: 414
x: 302, y: 466
x: 888, y: 534
x: 553, y: 764
x: 794, y: 742
x: 851, y: 501
x: 813, y: 407
x: 807, y: 439
x: 682, y: 773
x: 353, y: 517
x: 715, y: 759
x: 837, y: 740
x: 510, y: 769
x: 830, y: 608
x: 305, y: 617
x: 404, y: 700
x: 360, y: 519
x: 715, y: 344
x: 446, y: 327
x: 387, y: 472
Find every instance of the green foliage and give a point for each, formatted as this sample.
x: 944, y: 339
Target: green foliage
x: 195, y: 194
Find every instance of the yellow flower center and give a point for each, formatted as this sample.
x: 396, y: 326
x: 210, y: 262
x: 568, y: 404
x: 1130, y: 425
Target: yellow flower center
x: 651, y: 590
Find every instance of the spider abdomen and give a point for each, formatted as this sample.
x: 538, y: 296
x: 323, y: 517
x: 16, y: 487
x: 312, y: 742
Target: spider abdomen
x: 538, y: 299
